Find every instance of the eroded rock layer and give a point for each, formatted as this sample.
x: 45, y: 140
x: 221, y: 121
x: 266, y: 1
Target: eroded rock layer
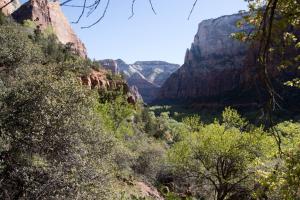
x: 8, y: 6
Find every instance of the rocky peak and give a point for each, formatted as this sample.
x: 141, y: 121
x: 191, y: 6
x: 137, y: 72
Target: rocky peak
x: 213, y: 41
x: 9, y: 7
x: 46, y: 13
x: 110, y: 64
x: 155, y: 72
x: 146, y: 76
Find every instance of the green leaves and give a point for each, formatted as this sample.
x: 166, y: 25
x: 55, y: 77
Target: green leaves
x: 221, y: 157
x: 53, y: 136
x: 16, y: 47
x: 232, y: 119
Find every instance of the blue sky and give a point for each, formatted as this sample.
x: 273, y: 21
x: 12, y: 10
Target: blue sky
x: 146, y: 36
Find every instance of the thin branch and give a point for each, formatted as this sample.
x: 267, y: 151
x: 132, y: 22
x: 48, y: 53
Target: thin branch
x: 152, y: 7
x: 96, y: 4
x: 77, y: 6
x: 103, y: 15
x: 192, y: 10
x: 83, y: 10
x: 132, y: 9
x: 65, y: 2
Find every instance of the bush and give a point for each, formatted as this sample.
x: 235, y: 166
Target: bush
x: 16, y: 47
x: 221, y: 160
x: 53, y: 143
x: 150, y: 160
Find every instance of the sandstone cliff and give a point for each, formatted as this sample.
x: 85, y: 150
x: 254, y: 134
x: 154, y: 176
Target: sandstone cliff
x: 47, y: 13
x: 220, y: 71
x: 147, y: 76
x: 9, y: 7
x: 213, y: 65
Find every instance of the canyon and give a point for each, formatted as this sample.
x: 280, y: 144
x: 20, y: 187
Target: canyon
x: 218, y: 69
x: 145, y: 76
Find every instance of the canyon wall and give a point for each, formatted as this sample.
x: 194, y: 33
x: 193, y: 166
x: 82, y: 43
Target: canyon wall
x: 46, y: 13
x: 214, y: 65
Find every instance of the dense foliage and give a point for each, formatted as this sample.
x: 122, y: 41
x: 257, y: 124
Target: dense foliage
x: 60, y: 139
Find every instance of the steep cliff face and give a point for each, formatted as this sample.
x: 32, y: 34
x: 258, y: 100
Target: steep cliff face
x: 147, y: 76
x: 213, y: 65
x: 47, y: 13
x: 9, y: 7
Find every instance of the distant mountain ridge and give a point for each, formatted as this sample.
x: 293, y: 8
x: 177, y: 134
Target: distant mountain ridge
x: 147, y: 76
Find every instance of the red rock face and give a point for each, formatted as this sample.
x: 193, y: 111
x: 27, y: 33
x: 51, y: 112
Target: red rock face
x: 45, y: 13
x: 97, y: 79
x: 8, y: 6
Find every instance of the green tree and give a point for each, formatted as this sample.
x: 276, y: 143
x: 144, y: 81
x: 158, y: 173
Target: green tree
x: 52, y: 142
x: 16, y: 47
x: 221, y: 159
x: 280, y: 177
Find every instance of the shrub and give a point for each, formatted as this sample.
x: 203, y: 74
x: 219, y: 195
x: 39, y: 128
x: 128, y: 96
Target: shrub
x: 54, y: 143
x: 221, y: 159
x: 149, y: 160
x: 16, y: 47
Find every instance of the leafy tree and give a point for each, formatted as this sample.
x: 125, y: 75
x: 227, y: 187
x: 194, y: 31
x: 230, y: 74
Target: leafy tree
x: 279, y: 178
x: 276, y: 39
x: 16, y: 47
x: 52, y: 142
x: 194, y: 122
x: 232, y: 119
x: 221, y: 159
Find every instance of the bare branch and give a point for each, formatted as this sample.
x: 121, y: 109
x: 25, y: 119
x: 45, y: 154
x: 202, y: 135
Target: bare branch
x: 192, y: 10
x: 83, y: 10
x: 132, y: 9
x: 95, y: 6
x: 103, y: 15
x: 152, y: 7
x: 65, y: 2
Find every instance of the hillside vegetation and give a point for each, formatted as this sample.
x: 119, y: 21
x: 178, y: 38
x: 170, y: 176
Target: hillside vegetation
x: 60, y: 139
